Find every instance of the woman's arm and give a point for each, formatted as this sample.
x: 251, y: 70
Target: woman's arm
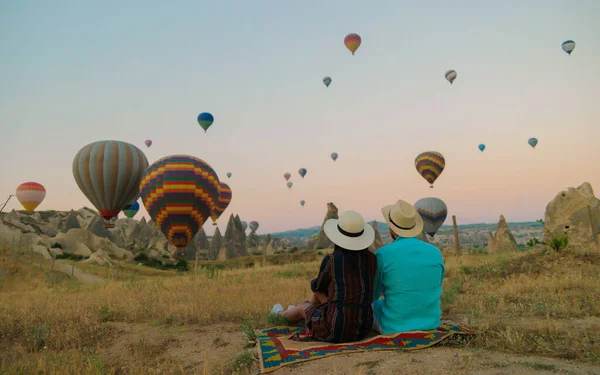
x: 321, y: 283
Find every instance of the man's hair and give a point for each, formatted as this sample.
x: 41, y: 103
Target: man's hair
x: 393, y: 234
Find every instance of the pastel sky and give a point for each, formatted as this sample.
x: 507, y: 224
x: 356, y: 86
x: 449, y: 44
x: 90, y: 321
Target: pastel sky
x: 74, y: 72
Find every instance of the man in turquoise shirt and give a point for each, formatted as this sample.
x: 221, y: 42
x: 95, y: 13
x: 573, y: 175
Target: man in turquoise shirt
x: 409, y: 276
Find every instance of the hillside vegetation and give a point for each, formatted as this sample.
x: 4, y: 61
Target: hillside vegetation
x: 538, y: 302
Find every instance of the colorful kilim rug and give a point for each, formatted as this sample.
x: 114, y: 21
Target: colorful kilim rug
x: 276, y: 349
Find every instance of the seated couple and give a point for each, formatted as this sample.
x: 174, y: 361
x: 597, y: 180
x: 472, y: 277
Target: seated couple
x: 407, y: 274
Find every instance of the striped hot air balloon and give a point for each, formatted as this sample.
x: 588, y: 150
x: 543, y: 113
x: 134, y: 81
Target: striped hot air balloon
x: 352, y: 42
x: 434, y: 213
x: 451, y: 76
x: 30, y: 194
x: 109, y: 174
x: 430, y: 165
x: 302, y: 172
x: 180, y: 193
x: 131, y: 210
x: 253, y: 226
x: 222, y: 202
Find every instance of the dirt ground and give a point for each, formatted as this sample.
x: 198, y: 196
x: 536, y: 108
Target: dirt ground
x: 208, y: 349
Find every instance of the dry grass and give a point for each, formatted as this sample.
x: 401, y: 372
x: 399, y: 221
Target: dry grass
x: 534, y: 302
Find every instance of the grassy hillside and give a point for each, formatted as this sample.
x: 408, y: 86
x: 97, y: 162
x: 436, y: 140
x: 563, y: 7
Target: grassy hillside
x: 538, y: 302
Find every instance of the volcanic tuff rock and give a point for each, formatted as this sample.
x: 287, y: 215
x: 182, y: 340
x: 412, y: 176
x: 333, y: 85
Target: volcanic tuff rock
x: 576, y: 213
x: 378, y: 241
x: 235, y: 238
x: 322, y: 241
x: 503, y: 241
x: 215, y: 246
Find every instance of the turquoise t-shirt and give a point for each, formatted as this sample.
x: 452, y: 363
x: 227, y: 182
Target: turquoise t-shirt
x: 409, y: 275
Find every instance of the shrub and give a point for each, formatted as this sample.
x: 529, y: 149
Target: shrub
x: 559, y: 243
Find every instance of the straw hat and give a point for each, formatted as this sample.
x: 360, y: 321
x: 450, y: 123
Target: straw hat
x: 350, y: 231
x: 403, y: 219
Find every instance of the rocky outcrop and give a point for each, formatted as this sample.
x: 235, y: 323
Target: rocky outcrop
x: 70, y: 222
x: 81, y: 242
x: 201, y: 240
x: 503, y: 240
x: 215, y: 245
x: 268, y: 242
x: 96, y: 227
x: 378, y: 241
x: 322, y: 242
x: 253, y: 241
x: 576, y: 214
x: 235, y: 239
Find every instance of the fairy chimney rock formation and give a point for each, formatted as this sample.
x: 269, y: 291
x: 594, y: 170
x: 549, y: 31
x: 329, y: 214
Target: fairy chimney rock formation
x: 576, y: 214
x: 503, y: 240
x: 266, y: 244
x: 70, y: 222
x: 378, y: 241
x: 235, y: 238
x: 322, y: 241
x: 201, y: 240
x: 215, y: 246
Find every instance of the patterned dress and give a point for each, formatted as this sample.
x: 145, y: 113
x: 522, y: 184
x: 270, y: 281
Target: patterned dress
x: 346, y: 278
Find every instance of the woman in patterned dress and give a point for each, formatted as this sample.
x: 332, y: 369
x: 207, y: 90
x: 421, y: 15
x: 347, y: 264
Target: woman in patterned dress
x: 340, y: 308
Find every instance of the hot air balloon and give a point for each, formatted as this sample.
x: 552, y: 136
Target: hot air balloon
x: 222, y: 202
x: 205, y: 120
x: 287, y: 176
x: 434, y: 212
x: 253, y: 226
x: 131, y: 209
x: 450, y: 76
x: 352, y: 42
x: 532, y: 142
x: 148, y: 142
x: 568, y: 46
x: 430, y: 165
x: 290, y: 184
x: 109, y: 174
x: 327, y: 81
x: 244, y: 225
x: 228, y: 174
x: 180, y: 193
x: 302, y: 172
x: 481, y: 147
x: 302, y: 203
x: 30, y: 195
x: 334, y: 156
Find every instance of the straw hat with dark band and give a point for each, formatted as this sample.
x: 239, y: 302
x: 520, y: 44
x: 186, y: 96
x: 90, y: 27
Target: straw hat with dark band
x: 403, y: 219
x: 350, y: 232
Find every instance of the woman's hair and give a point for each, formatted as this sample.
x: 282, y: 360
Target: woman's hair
x: 346, y: 251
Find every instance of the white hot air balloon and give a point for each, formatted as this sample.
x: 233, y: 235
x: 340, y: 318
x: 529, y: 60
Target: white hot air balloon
x: 568, y: 46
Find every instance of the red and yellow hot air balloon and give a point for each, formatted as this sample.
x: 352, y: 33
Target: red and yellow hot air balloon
x: 222, y: 203
x: 352, y: 42
x: 430, y: 165
x: 180, y: 193
x: 109, y: 174
x: 30, y: 194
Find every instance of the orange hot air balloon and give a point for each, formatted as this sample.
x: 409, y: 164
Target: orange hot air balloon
x: 352, y: 42
x: 30, y: 194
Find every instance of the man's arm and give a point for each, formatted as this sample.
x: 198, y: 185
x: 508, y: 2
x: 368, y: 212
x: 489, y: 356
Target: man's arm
x: 377, y: 284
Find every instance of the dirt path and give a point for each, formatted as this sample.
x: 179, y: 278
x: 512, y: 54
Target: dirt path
x: 79, y: 275
x: 209, y: 349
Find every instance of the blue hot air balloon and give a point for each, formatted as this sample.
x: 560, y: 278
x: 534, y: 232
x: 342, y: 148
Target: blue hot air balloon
x: 481, y: 147
x: 131, y: 209
x: 302, y: 172
x: 302, y: 202
x: 532, y: 142
x: 205, y: 120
